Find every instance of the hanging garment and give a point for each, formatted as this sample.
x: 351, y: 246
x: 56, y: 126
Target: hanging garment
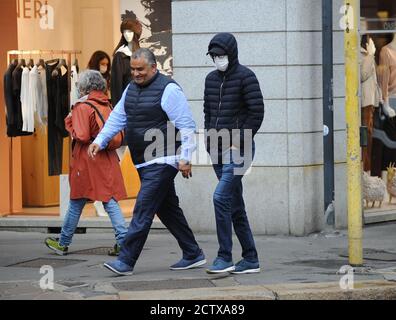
x: 62, y: 100
x: 58, y: 109
x: 73, y: 89
x: 42, y: 111
x: 368, y: 121
x: 17, y: 127
x: 370, y: 99
x: 9, y: 100
x: 36, y: 98
x: 120, y: 73
x: 26, y: 103
x: 371, y: 91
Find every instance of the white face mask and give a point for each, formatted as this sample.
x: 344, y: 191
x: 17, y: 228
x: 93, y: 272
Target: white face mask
x: 221, y: 63
x: 128, y: 35
x: 103, y: 69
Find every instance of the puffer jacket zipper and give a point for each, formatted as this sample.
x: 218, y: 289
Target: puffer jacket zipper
x: 220, y: 102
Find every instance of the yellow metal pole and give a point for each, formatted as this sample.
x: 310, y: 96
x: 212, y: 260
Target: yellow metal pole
x: 354, y: 171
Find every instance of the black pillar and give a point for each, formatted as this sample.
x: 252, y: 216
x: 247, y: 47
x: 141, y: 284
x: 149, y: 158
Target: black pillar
x: 328, y: 110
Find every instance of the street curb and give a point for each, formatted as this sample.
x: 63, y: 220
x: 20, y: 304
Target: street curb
x: 367, y: 290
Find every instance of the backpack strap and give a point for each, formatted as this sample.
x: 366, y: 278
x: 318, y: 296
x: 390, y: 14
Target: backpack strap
x: 101, y: 117
x: 96, y: 110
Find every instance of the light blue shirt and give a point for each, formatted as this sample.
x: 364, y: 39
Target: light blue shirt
x: 175, y: 105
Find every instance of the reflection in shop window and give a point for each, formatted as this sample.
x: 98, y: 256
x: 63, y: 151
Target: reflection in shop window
x: 378, y: 91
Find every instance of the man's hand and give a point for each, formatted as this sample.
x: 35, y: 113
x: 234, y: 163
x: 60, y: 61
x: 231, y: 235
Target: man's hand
x: 93, y: 150
x: 186, y: 169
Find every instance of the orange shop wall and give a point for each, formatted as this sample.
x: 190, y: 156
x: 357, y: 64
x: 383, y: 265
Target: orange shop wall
x: 10, y: 150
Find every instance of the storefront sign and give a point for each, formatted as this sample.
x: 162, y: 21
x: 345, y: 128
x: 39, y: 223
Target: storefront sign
x: 30, y: 9
x: 37, y: 9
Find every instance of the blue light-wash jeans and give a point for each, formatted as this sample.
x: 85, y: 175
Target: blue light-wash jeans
x: 73, y: 217
x: 230, y: 209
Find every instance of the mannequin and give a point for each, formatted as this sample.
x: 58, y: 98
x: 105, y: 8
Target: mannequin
x: 371, y: 94
x: 393, y: 43
x: 392, y: 99
x: 131, y: 31
x: 382, y: 156
x: 388, y: 74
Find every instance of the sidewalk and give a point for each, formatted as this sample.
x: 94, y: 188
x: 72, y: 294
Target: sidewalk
x: 292, y: 268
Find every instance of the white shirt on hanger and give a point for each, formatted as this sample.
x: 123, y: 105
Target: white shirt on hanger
x: 42, y: 111
x: 33, y: 95
x: 27, y: 111
x: 73, y: 89
x: 36, y: 97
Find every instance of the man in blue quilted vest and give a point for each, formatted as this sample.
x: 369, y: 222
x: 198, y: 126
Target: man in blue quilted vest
x: 154, y: 112
x: 234, y: 112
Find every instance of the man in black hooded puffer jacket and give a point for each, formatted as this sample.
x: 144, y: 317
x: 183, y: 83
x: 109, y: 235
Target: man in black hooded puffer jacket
x: 233, y: 105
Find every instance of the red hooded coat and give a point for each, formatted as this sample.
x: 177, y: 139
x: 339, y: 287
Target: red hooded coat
x: 94, y: 179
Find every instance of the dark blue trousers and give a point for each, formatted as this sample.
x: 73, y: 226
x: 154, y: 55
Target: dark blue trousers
x: 157, y: 195
x: 230, y: 211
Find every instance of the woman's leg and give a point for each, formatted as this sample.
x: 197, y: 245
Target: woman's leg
x: 71, y: 221
x: 117, y: 219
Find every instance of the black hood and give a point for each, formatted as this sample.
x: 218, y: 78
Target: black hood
x: 227, y: 42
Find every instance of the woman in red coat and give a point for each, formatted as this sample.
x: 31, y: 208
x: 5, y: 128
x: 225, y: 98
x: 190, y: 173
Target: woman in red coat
x: 91, y: 179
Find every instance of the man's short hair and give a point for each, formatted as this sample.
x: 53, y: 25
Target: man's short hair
x: 146, y: 54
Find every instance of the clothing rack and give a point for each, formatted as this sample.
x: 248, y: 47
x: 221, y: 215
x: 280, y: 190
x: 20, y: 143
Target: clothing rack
x: 68, y: 53
x: 12, y: 54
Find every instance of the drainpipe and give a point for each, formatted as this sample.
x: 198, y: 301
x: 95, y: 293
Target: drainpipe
x: 354, y: 166
x: 328, y: 111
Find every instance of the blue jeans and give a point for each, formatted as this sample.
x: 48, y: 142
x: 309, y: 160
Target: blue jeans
x: 74, y: 213
x: 230, y: 209
x: 157, y: 195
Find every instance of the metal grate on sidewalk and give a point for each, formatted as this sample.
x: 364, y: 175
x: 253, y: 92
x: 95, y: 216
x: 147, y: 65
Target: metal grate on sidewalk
x: 101, y: 251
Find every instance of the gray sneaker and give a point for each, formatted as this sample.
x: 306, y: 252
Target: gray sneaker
x: 246, y: 267
x: 220, y: 266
